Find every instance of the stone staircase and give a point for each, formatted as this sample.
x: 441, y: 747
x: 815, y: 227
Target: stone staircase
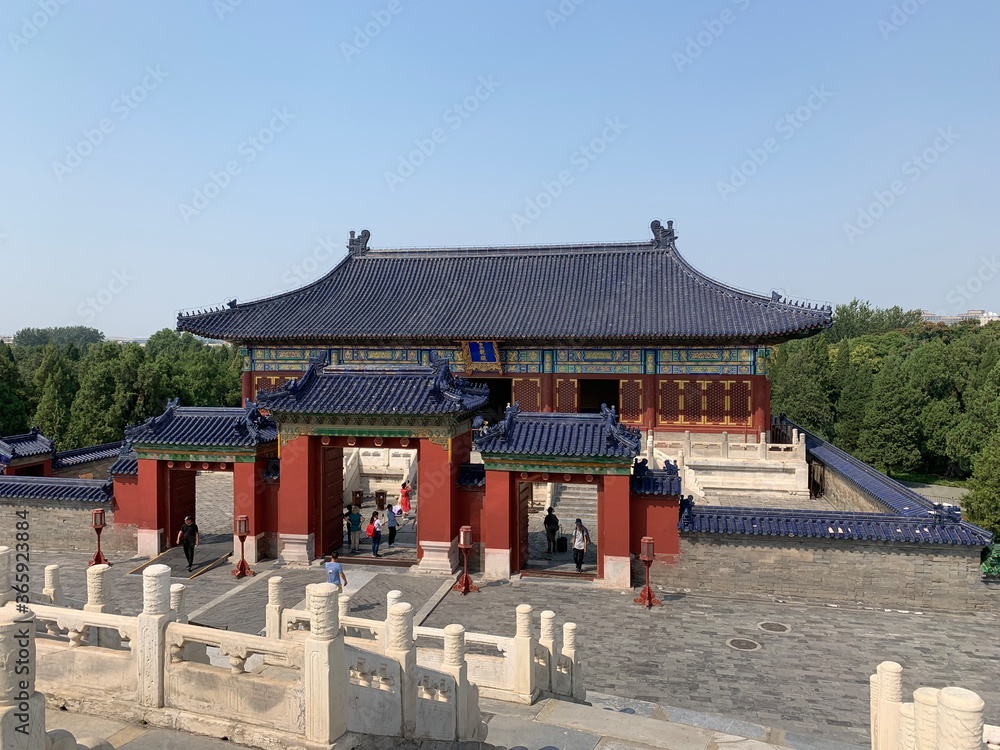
x: 573, y: 501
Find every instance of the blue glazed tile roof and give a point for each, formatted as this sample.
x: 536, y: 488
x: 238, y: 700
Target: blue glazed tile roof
x: 127, y: 463
x: 472, y: 476
x: 610, y: 292
x: 54, y: 488
x: 832, y: 525
x: 560, y: 435
x: 24, y: 446
x: 214, y: 427
x: 77, y: 456
x: 408, y: 392
x: 656, y: 483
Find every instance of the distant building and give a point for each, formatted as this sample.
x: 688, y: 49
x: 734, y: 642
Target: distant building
x: 982, y: 316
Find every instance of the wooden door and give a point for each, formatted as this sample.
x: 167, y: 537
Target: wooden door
x: 523, y: 502
x: 330, y: 527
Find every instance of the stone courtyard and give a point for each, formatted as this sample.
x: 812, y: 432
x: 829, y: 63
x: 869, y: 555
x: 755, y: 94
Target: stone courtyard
x: 810, y: 683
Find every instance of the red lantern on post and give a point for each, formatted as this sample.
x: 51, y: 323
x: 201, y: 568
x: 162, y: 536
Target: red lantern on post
x: 647, y: 556
x: 464, y: 583
x: 242, y: 528
x: 97, y: 524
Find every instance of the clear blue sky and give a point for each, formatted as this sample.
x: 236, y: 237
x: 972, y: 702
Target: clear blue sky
x: 99, y: 236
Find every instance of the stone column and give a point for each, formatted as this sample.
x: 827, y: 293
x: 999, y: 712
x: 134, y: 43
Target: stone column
x: 569, y: 651
x: 548, y: 642
x: 466, y: 694
x: 925, y: 707
x: 687, y: 443
x: 272, y: 611
x: 325, y: 672
x: 53, y: 586
x: 890, y: 695
x: 151, y: 625
x: 907, y: 732
x: 401, y: 648
x: 959, y: 719
x: 22, y: 710
x: 97, y: 601
x: 762, y: 446
x: 523, y: 654
x: 6, y: 594
x: 725, y: 445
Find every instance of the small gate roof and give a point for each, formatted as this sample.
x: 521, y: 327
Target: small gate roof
x: 205, y: 426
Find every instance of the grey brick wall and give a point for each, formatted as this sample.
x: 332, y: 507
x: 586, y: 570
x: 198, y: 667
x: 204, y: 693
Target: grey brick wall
x: 868, y: 573
x: 64, y: 525
x: 845, y: 495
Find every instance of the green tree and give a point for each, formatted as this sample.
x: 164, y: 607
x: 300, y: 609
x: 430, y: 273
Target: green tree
x: 852, y: 405
x: 890, y: 433
x: 859, y: 318
x: 801, y: 378
x: 56, y: 382
x: 79, y: 335
x: 13, y: 404
x: 982, y: 505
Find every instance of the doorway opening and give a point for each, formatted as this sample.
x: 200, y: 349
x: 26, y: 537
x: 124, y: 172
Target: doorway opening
x: 597, y: 391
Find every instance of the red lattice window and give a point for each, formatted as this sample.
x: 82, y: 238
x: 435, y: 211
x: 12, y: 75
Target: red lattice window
x: 739, y: 402
x: 565, y: 394
x: 692, y: 401
x: 528, y: 393
x: 715, y: 398
x: 630, y: 398
x: 669, y: 407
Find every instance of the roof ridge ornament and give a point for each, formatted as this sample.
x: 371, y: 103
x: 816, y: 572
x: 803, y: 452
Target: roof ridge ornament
x: 629, y: 437
x: 358, y: 245
x: 663, y: 236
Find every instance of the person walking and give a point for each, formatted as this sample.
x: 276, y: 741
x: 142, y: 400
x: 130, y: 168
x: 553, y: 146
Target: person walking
x: 354, y: 524
x: 581, y: 538
x: 551, y: 524
x: 335, y: 572
x: 404, y: 498
x: 375, y: 529
x: 393, y: 523
x: 190, y: 538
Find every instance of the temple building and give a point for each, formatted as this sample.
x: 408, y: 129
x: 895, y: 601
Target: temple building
x: 562, y: 328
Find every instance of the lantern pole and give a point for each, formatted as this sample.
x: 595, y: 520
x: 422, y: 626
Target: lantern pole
x: 97, y: 523
x: 464, y: 583
x: 646, y: 597
x: 241, y: 570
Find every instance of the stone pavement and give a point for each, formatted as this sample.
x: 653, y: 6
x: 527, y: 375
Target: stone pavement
x: 811, y: 680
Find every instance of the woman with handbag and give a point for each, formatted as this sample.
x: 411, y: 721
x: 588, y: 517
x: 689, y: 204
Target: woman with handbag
x: 374, y: 530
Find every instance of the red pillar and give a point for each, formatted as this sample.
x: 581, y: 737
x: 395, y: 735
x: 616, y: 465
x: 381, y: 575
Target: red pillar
x: 761, y: 404
x: 548, y: 392
x: 151, y: 512
x: 498, y: 522
x: 249, y: 497
x: 649, y: 402
x: 437, y: 502
x: 614, y: 565
x: 296, y: 495
x: 246, y: 387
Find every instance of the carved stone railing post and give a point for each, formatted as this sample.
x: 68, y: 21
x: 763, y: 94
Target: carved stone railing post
x: 873, y: 709
x: 524, y: 656
x: 20, y: 705
x: 151, y: 627
x: 53, y: 586
x: 548, y: 642
x: 272, y: 610
x: 177, y: 602
x: 925, y: 706
x: 6, y: 593
x: 762, y: 446
x: 391, y: 598
x: 569, y: 652
x: 724, y: 446
x: 959, y: 719
x: 344, y: 608
x: 97, y: 601
x: 399, y: 646
x: 466, y: 694
x: 907, y: 730
x: 890, y: 695
x: 687, y: 443
x: 325, y: 671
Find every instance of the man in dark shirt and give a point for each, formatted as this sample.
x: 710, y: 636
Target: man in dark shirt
x: 551, y: 524
x: 188, y: 536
